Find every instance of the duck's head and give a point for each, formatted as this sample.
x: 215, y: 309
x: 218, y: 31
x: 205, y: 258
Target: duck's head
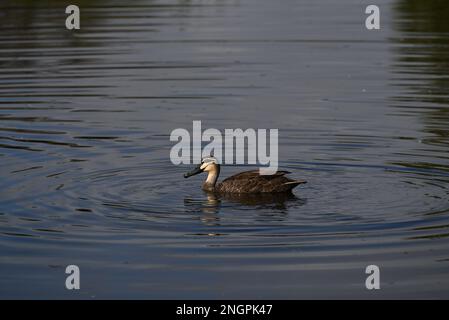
x: 208, y: 164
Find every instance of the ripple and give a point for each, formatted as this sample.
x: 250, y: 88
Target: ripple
x: 391, y: 199
x: 85, y: 121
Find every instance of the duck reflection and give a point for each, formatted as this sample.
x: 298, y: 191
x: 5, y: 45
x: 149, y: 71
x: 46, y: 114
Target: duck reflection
x: 276, y: 204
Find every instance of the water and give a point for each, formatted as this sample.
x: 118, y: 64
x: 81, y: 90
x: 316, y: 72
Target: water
x: 85, y: 119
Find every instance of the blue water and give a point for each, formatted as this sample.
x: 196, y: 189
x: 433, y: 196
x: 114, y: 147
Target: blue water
x: 86, y: 179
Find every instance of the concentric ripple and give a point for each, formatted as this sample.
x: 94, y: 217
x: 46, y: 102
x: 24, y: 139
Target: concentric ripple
x: 86, y: 179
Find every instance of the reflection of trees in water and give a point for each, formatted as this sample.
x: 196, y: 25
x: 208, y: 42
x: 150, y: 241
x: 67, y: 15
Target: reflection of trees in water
x: 34, y: 25
x: 34, y: 20
x: 423, y: 63
x: 31, y: 24
x: 30, y: 19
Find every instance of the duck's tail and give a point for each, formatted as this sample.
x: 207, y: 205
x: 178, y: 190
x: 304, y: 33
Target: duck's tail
x: 292, y: 184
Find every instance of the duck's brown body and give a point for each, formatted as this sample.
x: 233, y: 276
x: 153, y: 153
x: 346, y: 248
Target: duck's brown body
x: 252, y: 182
x: 249, y: 182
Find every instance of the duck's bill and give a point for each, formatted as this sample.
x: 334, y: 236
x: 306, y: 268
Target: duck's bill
x: 193, y: 172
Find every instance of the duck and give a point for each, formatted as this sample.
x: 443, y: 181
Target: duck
x: 247, y: 182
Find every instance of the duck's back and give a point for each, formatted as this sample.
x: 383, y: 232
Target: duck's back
x: 253, y: 182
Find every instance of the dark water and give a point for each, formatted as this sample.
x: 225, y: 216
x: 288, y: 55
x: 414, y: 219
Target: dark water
x: 85, y: 119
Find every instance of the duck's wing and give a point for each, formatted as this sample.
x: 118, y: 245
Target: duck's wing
x: 247, y: 175
x: 253, y: 182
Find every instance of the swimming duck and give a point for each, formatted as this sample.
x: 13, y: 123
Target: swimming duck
x: 244, y: 182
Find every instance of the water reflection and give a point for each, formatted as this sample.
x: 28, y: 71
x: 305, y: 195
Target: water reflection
x: 421, y: 75
x: 85, y: 119
x: 421, y: 68
x: 276, y: 204
x: 30, y: 25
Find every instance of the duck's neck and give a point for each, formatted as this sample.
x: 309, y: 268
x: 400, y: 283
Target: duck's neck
x: 209, y: 184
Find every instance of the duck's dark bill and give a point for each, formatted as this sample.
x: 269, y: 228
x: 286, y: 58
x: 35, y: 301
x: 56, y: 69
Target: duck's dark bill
x: 193, y: 172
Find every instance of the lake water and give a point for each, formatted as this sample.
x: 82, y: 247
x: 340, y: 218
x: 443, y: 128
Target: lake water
x: 86, y: 179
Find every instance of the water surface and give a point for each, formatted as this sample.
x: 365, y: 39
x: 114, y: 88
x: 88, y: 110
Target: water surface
x: 85, y: 119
